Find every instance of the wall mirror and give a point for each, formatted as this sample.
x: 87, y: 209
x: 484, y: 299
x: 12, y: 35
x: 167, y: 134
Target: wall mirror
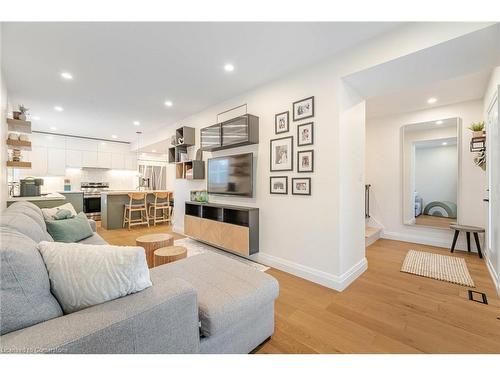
x: 431, y: 160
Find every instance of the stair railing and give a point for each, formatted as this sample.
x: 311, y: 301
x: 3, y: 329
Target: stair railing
x: 367, y: 201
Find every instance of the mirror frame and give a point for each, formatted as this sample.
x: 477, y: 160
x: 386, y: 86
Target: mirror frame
x: 459, y: 171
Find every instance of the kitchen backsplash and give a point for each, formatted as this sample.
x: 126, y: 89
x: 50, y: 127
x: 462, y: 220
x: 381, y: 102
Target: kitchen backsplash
x: 117, y: 179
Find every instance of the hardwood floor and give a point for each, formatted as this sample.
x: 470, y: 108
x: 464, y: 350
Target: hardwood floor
x: 383, y: 311
x: 434, y: 221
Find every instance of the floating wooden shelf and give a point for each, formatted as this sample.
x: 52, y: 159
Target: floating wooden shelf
x: 19, y: 164
x: 19, y: 126
x: 21, y: 145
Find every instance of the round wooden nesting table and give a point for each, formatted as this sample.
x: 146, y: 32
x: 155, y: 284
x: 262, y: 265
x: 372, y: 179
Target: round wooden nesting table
x: 152, y: 242
x: 169, y: 254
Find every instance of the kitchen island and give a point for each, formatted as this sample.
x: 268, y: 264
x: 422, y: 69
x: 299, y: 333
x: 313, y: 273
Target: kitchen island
x: 113, y: 204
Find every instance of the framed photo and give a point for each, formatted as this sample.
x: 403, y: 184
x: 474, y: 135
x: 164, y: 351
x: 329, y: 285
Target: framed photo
x: 278, y: 185
x: 303, y: 109
x: 301, y: 186
x: 305, y: 161
x: 305, y: 134
x: 282, y: 122
x: 282, y: 154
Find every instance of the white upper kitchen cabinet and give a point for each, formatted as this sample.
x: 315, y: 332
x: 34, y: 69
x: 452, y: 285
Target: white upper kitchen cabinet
x: 38, y: 158
x: 73, y: 159
x: 56, y: 162
x: 104, y: 159
x: 118, y: 161
x: 81, y: 144
x: 89, y: 159
x: 131, y: 161
x: 114, y: 147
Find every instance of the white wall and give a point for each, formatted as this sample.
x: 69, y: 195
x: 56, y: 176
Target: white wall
x: 436, y: 173
x: 3, y: 133
x: 320, y: 237
x: 384, y: 172
x: 493, y: 256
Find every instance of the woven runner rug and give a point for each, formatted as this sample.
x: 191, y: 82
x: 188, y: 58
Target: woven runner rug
x: 439, y: 267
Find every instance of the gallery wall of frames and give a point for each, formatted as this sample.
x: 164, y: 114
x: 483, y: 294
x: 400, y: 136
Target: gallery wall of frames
x: 283, y: 158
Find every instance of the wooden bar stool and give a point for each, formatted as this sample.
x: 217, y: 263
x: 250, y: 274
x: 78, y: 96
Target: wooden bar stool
x: 162, y: 204
x: 467, y: 229
x: 137, y: 203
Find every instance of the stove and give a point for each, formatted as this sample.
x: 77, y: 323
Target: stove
x: 92, y: 198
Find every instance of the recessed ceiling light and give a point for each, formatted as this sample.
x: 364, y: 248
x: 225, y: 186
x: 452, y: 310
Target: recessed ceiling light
x: 114, y: 136
x: 53, y: 128
x: 444, y: 143
x: 229, y: 67
x: 439, y: 122
x: 67, y: 76
x: 36, y: 118
x: 432, y: 100
x: 168, y: 103
x: 58, y: 108
x: 136, y: 123
x: 153, y: 150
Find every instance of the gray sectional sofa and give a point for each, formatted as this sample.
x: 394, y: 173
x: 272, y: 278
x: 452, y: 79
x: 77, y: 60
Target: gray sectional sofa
x: 207, y: 303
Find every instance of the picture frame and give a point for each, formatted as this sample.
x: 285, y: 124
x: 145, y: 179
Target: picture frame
x: 282, y: 122
x: 301, y: 186
x: 305, y: 134
x: 303, y: 109
x: 281, y: 154
x: 305, y: 161
x: 278, y: 185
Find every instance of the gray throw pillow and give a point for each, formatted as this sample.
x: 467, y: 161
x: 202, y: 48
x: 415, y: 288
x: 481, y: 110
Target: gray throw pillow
x: 63, y: 214
x: 24, y: 285
x: 70, y: 230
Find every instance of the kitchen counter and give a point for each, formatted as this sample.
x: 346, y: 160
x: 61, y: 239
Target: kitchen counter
x: 125, y: 192
x: 42, y: 201
x: 46, y: 197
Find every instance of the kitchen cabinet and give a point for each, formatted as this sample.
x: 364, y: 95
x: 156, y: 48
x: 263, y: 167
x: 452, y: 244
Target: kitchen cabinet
x: 38, y: 158
x: 117, y: 161
x: 56, y: 162
x: 104, y: 159
x: 89, y: 159
x: 131, y: 161
x: 73, y: 159
x: 80, y: 144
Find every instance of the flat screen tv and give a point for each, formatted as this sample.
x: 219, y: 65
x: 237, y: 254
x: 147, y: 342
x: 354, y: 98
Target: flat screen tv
x: 231, y: 175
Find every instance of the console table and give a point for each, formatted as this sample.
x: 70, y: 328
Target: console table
x: 231, y: 228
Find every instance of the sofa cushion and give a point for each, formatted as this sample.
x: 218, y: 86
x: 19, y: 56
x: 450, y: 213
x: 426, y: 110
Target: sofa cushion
x: 70, y: 230
x: 25, y: 290
x: 86, y: 275
x: 20, y: 221
x: 29, y: 209
x: 95, y: 239
x: 228, y: 290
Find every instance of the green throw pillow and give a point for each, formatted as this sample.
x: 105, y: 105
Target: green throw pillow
x: 70, y: 230
x: 63, y: 214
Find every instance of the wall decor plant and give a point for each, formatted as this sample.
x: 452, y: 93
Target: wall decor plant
x: 477, y: 129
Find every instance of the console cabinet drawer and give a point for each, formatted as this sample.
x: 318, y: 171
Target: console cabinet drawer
x: 211, y: 232
x: 192, y: 226
x: 236, y: 238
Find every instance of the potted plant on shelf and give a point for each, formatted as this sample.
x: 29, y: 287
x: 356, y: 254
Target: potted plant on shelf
x: 477, y: 129
x: 23, y: 112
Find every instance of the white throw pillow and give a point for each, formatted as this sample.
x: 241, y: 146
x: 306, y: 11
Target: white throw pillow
x: 86, y: 275
x: 48, y: 213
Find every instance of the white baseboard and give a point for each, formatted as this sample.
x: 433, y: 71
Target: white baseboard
x: 494, y: 275
x: 425, y: 240
x: 338, y: 283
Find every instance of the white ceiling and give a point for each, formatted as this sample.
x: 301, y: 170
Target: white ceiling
x: 471, y: 53
x: 456, y: 90
x: 125, y: 71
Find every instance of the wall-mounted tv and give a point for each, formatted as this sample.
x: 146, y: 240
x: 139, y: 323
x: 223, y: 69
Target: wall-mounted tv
x: 231, y: 175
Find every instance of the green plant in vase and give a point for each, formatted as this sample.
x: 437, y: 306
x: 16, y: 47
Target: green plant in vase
x: 477, y: 129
